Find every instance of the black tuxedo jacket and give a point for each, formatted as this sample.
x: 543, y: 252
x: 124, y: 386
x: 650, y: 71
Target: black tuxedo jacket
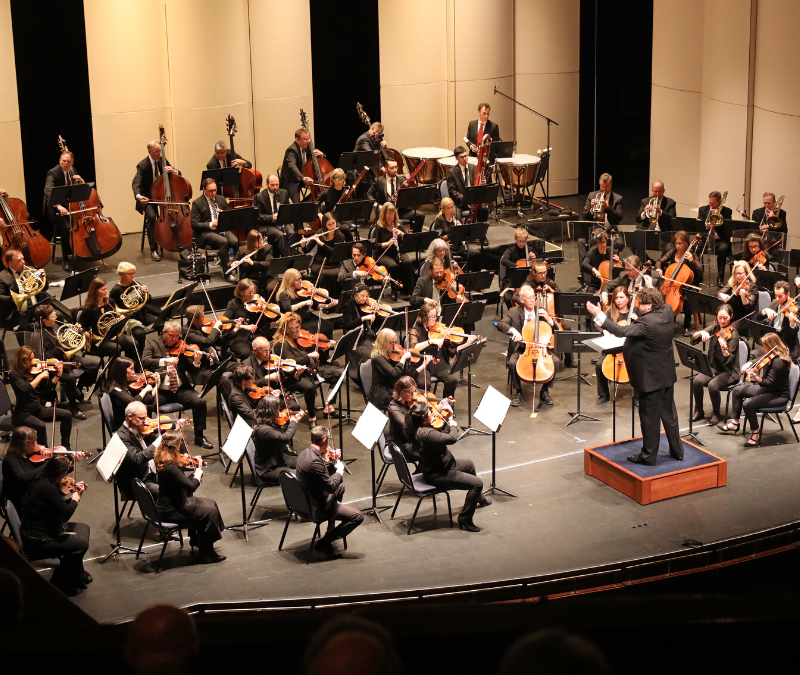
x: 322, y: 486
x: 155, y: 350
x: 455, y: 182
x: 727, y: 214
x: 613, y: 210
x: 378, y: 192
x: 260, y: 370
x: 491, y: 129
x: 758, y: 216
x: 648, y: 349
x: 365, y: 144
x: 264, y: 204
x: 143, y: 181
x: 134, y: 465
x: 668, y: 208
x: 9, y: 315
x: 201, y: 212
x: 514, y: 319
x: 55, y: 178
x: 292, y: 168
x: 213, y: 163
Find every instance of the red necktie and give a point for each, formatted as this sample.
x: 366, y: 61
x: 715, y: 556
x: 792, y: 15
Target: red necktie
x: 480, y: 133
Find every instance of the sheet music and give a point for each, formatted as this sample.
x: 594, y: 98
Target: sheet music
x: 492, y: 409
x: 369, y: 426
x: 607, y: 341
x: 237, y: 439
x: 110, y: 461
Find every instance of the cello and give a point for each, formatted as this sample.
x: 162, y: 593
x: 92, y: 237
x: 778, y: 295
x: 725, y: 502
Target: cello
x: 92, y: 235
x: 606, y: 265
x: 172, y: 194
x: 318, y: 169
x: 614, y: 367
x: 536, y: 363
x: 17, y: 234
x: 677, y: 276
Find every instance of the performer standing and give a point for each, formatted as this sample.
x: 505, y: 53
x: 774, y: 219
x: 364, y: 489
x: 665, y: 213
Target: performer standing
x: 651, y: 366
x: 62, y: 174
x: 481, y: 127
x: 294, y: 159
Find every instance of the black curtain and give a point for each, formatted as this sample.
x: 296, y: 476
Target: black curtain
x: 345, y: 63
x: 615, y: 85
x: 53, y: 91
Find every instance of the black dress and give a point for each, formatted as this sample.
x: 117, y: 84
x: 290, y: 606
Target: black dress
x: 441, y: 369
x: 330, y: 272
x: 384, y: 374
x: 30, y: 412
x: 176, y: 504
x: 397, y: 434
x: 239, y: 342
x: 271, y: 444
x: 725, y: 369
x: 19, y: 476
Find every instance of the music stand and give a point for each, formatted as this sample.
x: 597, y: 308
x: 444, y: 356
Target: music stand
x: 468, y: 313
x: 696, y: 360
x: 245, y: 218
x: 567, y: 342
x: 582, y: 229
x: 700, y: 302
x: 573, y: 304
x: 279, y: 265
x: 476, y: 282
x: 346, y: 343
x: 78, y: 284
x: 334, y: 389
x: 411, y: 198
x: 358, y: 159
x: 64, y: 194
x: 227, y: 177
x: 601, y: 345
x: 353, y: 212
x: 179, y: 298
x: 395, y: 322
x: 297, y: 214
x: 215, y: 377
x: 416, y: 242
x: 112, y: 333
x: 642, y: 241
x: 478, y: 195
x: 502, y: 149
x: 766, y: 279
x: 492, y: 411
x: 758, y: 330
x: 341, y: 251
x: 466, y: 357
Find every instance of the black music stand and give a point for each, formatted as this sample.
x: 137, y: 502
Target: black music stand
x: 573, y: 304
x: 478, y: 195
x: 179, y: 298
x: 278, y: 266
x: 332, y: 392
x: 395, y: 322
x: 758, y: 330
x: 642, y: 241
x: 345, y: 344
x: 341, y: 252
x: 227, y: 177
x: 112, y: 333
x: 696, y: 360
x: 357, y: 160
x: 700, y: 302
x: 613, y: 351
x: 464, y: 233
x: 416, y: 242
x: 411, y: 198
x: 353, y: 212
x: 297, y: 214
x: 64, y: 194
x: 567, y: 342
x: 475, y: 282
x: 766, y: 279
x: 245, y: 219
x: 502, y: 149
x: 582, y: 229
x: 78, y: 284
x: 466, y: 357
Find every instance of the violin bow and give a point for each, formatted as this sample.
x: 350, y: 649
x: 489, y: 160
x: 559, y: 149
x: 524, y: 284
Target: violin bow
x: 274, y: 288
x: 203, y: 285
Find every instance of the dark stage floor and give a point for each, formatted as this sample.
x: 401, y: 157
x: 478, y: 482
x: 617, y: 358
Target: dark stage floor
x: 562, y: 520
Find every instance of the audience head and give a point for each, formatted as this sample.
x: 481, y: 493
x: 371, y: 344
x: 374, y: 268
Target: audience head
x: 162, y: 637
x: 553, y: 652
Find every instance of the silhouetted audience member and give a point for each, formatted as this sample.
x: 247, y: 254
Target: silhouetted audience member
x: 351, y: 645
x: 553, y: 652
x: 162, y: 639
x: 11, y: 599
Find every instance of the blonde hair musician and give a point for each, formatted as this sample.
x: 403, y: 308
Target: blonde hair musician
x: 386, y: 371
x: 386, y: 238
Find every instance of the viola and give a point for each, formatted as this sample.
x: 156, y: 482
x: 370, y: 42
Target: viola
x: 449, y: 284
x: 308, y: 290
x: 454, y: 334
x: 258, y: 393
x: 17, y: 234
x: 440, y: 412
x: 259, y: 305
x: 163, y: 423
x: 67, y: 486
x: 313, y: 341
x: 286, y: 365
x: 285, y: 416
x: 172, y: 194
x: 42, y: 453
x: 397, y: 353
x: 180, y: 348
x: 318, y: 169
x: 762, y: 362
x: 50, y: 365
x: 679, y: 275
x: 187, y: 461
x: 372, y: 306
x: 377, y: 272
x: 724, y: 335
x: 142, y: 380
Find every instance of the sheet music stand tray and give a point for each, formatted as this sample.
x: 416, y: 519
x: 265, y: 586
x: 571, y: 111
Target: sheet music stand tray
x: 297, y: 214
x: 278, y: 266
x: 758, y: 330
x: 346, y: 343
x: 700, y: 302
x: 64, y: 194
x: 417, y: 242
x: 245, y: 218
x: 697, y: 361
x: 227, y: 177
x: 569, y: 341
x: 78, y: 284
x: 574, y: 304
x: 358, y: 159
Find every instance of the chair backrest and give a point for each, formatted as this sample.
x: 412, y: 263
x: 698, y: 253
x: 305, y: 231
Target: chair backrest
x: 14, y: 523
x: 250, y: 454
x: 107, y: 413
x: 402, y: 468
x: 226, y: 411
x: 365, y: 371
x: 147, y: 505
x: 794, y: 379
x: 5, y: 400
x: 443, y: 188
x: 383, y: 446
x: 295, y: 495
x: 744, y: 352
x: 764, y: 300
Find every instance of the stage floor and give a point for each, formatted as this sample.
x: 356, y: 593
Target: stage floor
x: 562, y: 520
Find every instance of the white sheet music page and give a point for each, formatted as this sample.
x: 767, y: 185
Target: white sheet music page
x: 237, y: 439
x: 111, y: 459
x: 369, y: 426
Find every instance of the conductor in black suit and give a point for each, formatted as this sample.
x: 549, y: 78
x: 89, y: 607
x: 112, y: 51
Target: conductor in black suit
x: 651, y: 367
x: 480, y: 127
x: 147, y: 171
x: 268, y: 202
x: 205, y: 215
x: 294, y: 159
x: 323, y: 482
x: 386, y: 187
x: 224, y: 158
x: 722, y: 244
x: 61, y: 174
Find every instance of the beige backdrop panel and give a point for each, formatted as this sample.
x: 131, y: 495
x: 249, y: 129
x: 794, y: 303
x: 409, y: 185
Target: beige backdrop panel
x: 675, y: 143
x: 777, y: 56
x: 726, y: 50
x: 556, y: 50
x: 10, y: 139
x: 277, y: 120
x: 678, y: 44
x: 427, y: 127
x: 472, y: 92
x: 722, y: 151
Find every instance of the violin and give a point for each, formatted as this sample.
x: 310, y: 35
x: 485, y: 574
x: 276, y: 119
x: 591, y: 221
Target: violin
x: 180, y: 348
x: 142, y: 380
x: 172, y: 194
x: 440, y: 412
x: 42, y: 453
x: 285, y: 416
x: 763, y: 361
x: 17, y: 234
x: 449, y: 284
x: 454, y: 334
x: 313, y: 341
x: 258, y: 393
x: 286, y: 365
x: 269, y: 309
x: 377, y: 272
x: 677, y: 276
x: 724, y: 335
x: 308, y: 290
x: 761, y: 257
x: 372, y: 306
x: 397, y: 353
x: 163, y: 423
x: 208, y: 324
x: 187, y: 461
x: 67, y: 486
x: 51, y: 365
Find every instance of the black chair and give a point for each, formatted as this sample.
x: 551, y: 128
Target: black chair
x: 744, y: 354
x: 416, y: 485
x: 250, y: 454
x: 298, y: 502
x: 365, y: 373
x: 6, y: 425
x: 14, y: 523
x: 386, y: 456
x: 147, y: 506
x: 222, y: 407
x: 794, y: 380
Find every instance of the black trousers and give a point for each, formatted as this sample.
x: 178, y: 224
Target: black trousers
x: 461, y: 478
x: 72, y: 385
x: 304, y: 386
x: 203, y: 520
x: 150, y: 215
x: 348, y: 517
x: 279, y: 240
x: 402, y: 271
x: 293, y: 190
x: 516, y: 381
x: 61, y: 225
x: 722, y: 250
x: 190, y: 400
x: 657, y: 408
x: 39, y: 423
x: 69, y: 548
x: 441, y: 371
x: 414, y: 222
x: 751, y: 397
x: 714, y: 385
x: 222, y: 241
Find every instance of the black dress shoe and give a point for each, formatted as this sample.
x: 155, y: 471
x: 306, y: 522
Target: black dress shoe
x: 636, y: 459
x: 545, y: 398
x: 325, y: 547
x: 602, y: 399
x: 484, y: 242
x: 231, y: 279
x: 468, y: 525
x: 154, y: 256
x: 674, y: 456
x: 517, y: 400
x: 698, y: 415
x: 485, y: 500
x: 65, y: 264
x: 77, y: 414
x: 211, y: 558
x: 87, y: 578
x: 203, y: 442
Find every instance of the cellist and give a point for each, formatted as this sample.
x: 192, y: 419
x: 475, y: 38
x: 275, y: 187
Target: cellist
x: 62, y: 174
x: 596, y: 255
x: 619, y: 312
x: 680, y: 241
x: 512, y: 325
x: 515, y: 256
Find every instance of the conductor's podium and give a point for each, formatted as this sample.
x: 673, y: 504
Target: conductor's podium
x: 699, y: 470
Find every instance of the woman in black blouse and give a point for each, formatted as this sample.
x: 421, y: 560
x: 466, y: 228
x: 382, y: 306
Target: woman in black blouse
x: 767, y: 388
x: 462, y: 250
x: 255, y: 267
x: 723, y: 355
x: 330, y: 197
x: 597, y: 254
x: 48, y: 532
x: 272, y: 440
x: 97, y: 304
x: 19, y: 472
x: 745, y: 300
x: 386, y: 237
x: 322, y: 243
x: 619, y: 309
x: 386, y: 372
x: 120, y: 375
x: 402, y: 400
x: 248, y: 325
x: 290, y: 301
x: 29, y: 409
x: 177, y: 503
x: 681, y: 243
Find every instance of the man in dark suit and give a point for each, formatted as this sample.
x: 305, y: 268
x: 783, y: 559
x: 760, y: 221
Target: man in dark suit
x: 425, y: 288
x: 481, y: 127
x: 613, y: 214
x: 147, y: 171
x: 176, y: 384
x: 61, y: 174
x: 783, y: 322
x: 10, y: 316
x: 326, y: 489
x: 349, y: 274
x: 205, y: 215
x: 385, y: 187
x: 665, y: 209
x: 512, y: 325
x: 294, y: 159
x: 769, y: 232
x: 224, y: 158
x: 651, y: 367
x: 268, y: 202
x: 370, y: 141
x: 140, y: 452
x: 459, y: 177
x: 722, y: 242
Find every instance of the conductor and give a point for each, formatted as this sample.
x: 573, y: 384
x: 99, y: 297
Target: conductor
x: 651, y: 366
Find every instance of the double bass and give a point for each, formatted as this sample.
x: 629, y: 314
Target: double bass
x: 386, y: 153
x: 243, y: 193
x: 92, y: 235
x: 172, y: 194
x: 17, y: 234
x: 318, y: 169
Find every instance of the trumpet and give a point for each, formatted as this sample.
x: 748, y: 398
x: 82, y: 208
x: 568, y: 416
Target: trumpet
x: 599, y: 208
x: 650, y: 211
x: 133, y: 299
x: 31, y: 282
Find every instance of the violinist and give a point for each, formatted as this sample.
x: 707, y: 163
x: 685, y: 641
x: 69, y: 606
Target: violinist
x: 459, y: 249
x: 272, y: 440
x: 145, y: 315
x: 349, y: 273
x: 303, y: 380
x: 141, y: 448
x: 147, y: 171
x: 205, y: 216
x: 255, y: 258
x: 782, y: 314
x: 723, y: 356
x: 239, y: 402
x: 176, y: 502
x: 290, y: 300
x: 512, y: 325
x: 386, y: 238
x: 402, y: 400
x: 124, y: 386
x: 294, y: 159
x: 29, y: 390
x: 48, y: 532
x: 247, y: 324
x: 440, y: 349
x: 268, y: 202
x: 383, y: 190
x: 361, y: 310
x: 331, y: 196
x: 596, y: 255
x: 96, y: 305
x: 427, y: 288
x: 439, y: 467
x: 266, y: 374
x: 630, y: 279
x: 618, y: 312
x: 680, y: 242
x: 321, y: 243
x: 385, y: 371
x: 19, y: 471
x: 441, y: 250
x: 754, y: 252
x: 194, y: 332
x: 224, y: 158
x: 765, y: 385
x: 62, y: 174
x: 9, y: 281
x: 176, y: 385
x: 722, y: 242
x: 745, y: 298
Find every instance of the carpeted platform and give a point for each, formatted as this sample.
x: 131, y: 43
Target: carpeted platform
x: 618, y: 453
